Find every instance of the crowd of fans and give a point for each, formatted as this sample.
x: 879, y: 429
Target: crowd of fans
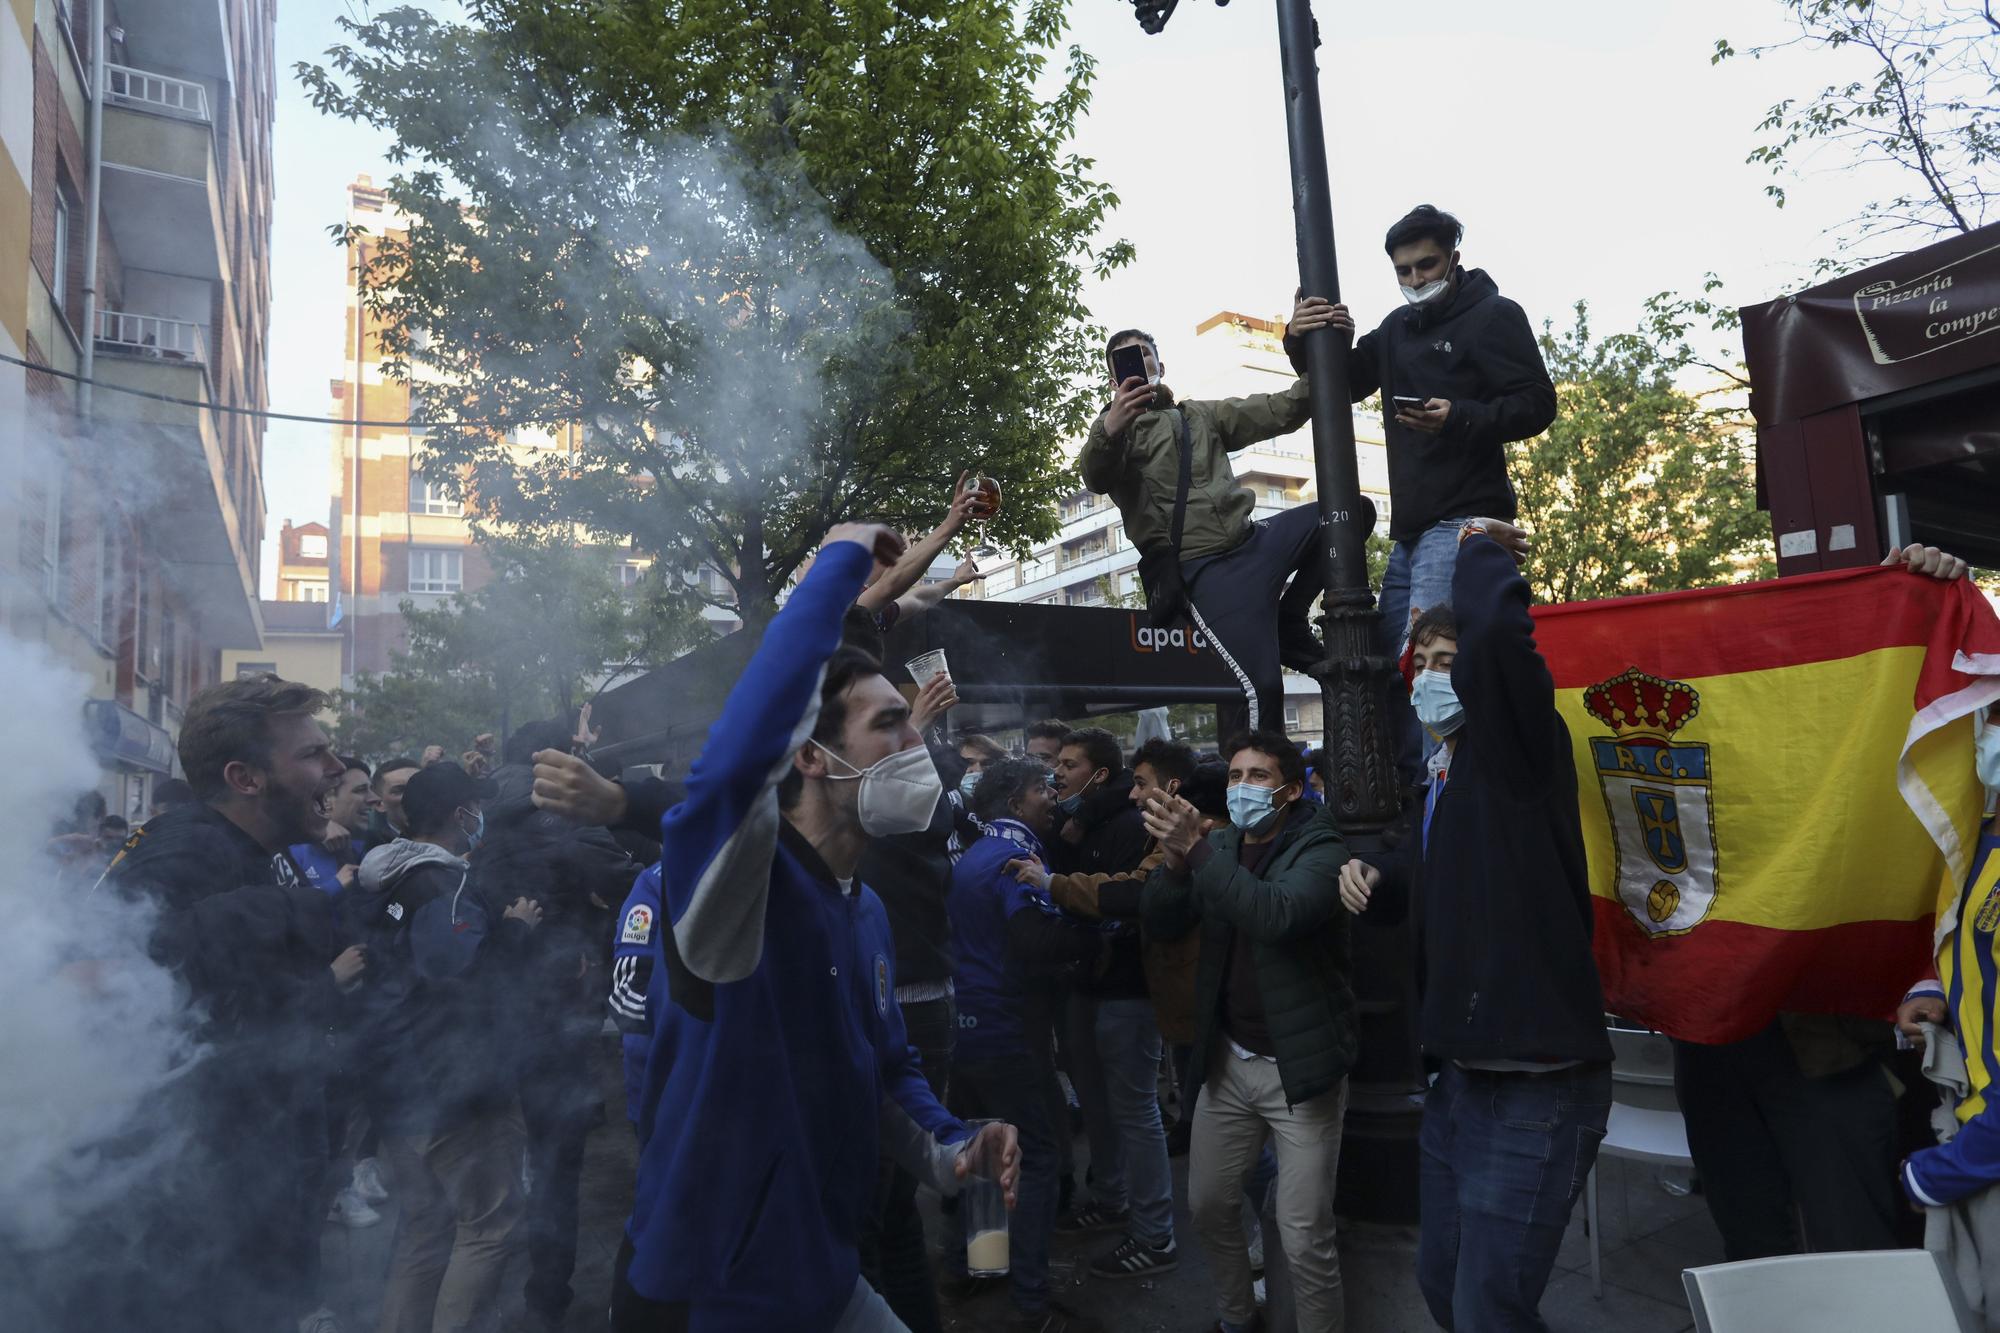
x: 855, y: 956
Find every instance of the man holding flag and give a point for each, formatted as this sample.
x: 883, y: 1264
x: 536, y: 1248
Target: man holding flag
x: 1511, y: 1002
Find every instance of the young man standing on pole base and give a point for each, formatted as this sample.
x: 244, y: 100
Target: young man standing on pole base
x: 1274, y: 1014
x: 778, y: 1058
x: 1234, y: 568
x: 1511, y: 1000
x: 1461, y: 376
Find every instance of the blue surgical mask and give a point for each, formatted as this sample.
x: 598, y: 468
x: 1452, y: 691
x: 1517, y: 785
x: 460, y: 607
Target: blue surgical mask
x: 1252, y: 808
x: 1436, y: 702
x: 1069, y: 805
x: 966, y: 784
x: 477, y: 833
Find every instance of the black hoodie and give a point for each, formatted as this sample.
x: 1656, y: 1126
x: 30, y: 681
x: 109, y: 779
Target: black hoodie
x: 1474, y: 348
x: 1501, y: 885
x: 1114, y: 842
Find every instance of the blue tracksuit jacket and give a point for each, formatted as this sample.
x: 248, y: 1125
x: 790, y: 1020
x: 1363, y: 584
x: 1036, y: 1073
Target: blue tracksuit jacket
x: 778, y: 1062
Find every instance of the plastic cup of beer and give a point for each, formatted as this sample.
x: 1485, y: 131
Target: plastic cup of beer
x: 923, y: 668
x: 983, y: 1205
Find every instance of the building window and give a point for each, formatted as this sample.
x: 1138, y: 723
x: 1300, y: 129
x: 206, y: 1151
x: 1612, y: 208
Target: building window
x: 315, y: 592
x: 629, y: 573
x: 427, y: 497
x: 312, y: 546
x: 436, y: 571
x: 1291, y: 717
x: 59, y: 278
x: 248, y: 670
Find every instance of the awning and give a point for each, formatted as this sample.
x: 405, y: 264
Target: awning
x: 121, y: 736
x: 1927, y: 316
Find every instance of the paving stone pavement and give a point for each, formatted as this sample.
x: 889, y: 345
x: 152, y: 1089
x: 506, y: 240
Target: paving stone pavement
x: 1649, y: 1236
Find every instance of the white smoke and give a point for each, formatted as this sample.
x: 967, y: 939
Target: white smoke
x: 93, y: 1028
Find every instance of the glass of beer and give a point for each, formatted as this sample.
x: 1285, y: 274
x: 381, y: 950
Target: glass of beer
x: 983, y: 508
x: 984, y: 1207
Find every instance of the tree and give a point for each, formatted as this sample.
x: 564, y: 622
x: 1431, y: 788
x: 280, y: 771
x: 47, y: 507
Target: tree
x: 1924, y: 105
x: 1640, y: 485
x: 785, y: 266
x: 550, y: 628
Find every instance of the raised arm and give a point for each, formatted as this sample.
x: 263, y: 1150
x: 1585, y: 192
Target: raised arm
x: 1499, y: 674
x: 1242, y: 422
x: 923, y: 553
x: 717, y: 844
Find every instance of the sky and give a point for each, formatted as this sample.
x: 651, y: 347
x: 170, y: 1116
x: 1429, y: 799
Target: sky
x: 1592, y: 151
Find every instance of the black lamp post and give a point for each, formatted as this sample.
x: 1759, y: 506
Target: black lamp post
x: 1378, y: 1174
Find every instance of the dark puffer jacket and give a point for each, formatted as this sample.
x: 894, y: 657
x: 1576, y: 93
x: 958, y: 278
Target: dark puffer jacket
x: 1299, y: 944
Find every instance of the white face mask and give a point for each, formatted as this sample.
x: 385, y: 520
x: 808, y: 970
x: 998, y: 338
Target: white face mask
x: 1430, y: 291
x: 898, y: 794
x: 1437, y: 702
x: 1986, y: 752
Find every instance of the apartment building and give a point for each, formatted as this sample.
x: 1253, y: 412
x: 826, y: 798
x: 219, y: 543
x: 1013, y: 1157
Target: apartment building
x: 1091, y: 561
x: 135, y: 206
x: 304, y: 563
x: 394, y: 535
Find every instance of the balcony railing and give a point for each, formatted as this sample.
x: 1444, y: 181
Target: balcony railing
x: 156, y: 92
x: 151, y: 336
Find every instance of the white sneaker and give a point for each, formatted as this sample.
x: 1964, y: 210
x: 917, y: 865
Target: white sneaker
x: 319, y: 1321
x: 368, y: 1181
x: 352, y: 1211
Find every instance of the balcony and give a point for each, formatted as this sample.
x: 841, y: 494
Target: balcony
x: 122, y: 333
x: 158, y: 93
x: 162, y: 195
x: 190, y: 512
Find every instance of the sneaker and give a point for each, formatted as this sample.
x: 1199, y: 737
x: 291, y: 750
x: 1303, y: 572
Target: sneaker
x: 319, y: 1321
x: 351, y: 1211
x: 1135, y: 1258
x: 368, y: 1181
x: 1089, y: 1218
x: 1256, y: 1325
x: 1056, y: 1318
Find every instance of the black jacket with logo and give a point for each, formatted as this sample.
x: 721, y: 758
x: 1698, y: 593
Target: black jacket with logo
x: 192, y: 852
x: 1114, y: 842
x: 1501, y: 887
x: 1474, y: 348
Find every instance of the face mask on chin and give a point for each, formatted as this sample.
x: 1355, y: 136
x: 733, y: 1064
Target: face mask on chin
x: 476, y: 834
x: 898, y: 795
x: 1427, y: 293
x: 1069, y: 805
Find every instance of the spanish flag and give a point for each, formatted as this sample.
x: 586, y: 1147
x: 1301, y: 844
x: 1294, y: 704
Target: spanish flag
x: 1777, y: 784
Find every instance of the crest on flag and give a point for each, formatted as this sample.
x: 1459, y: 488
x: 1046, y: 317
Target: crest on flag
x: 1658, y: 793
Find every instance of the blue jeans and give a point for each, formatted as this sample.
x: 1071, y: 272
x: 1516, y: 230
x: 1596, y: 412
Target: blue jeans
x: 1504, y: 1158
x: 1419, y: 576
x: 1115, y: 1063
x: 1010, y: 1089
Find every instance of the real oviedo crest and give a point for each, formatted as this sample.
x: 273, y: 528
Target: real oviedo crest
x: 1659, y: 796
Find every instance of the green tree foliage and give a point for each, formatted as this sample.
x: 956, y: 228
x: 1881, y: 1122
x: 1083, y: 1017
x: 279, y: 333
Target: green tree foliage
x: 786, y: 266
x: 1640, y: 485
x: 1915, y: 89
x: 551, y: 627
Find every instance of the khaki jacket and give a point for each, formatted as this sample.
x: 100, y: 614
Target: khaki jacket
x: 1171, y: 964
x: 1141, y: 469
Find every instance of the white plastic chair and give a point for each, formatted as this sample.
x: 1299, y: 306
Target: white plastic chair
x: 1867, y: 1291
x: 1646, y: 1123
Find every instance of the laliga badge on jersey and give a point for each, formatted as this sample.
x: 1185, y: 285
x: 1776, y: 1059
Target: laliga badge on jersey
x: 638, y: 926
x: 881, y: 985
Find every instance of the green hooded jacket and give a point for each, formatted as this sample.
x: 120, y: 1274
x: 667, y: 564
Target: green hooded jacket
x: 1299, y: 944
x: 1140, y: 470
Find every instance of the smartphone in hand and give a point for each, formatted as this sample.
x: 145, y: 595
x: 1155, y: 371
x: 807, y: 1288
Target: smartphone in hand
x: 1129, y: 362
x: 1407, y: 404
